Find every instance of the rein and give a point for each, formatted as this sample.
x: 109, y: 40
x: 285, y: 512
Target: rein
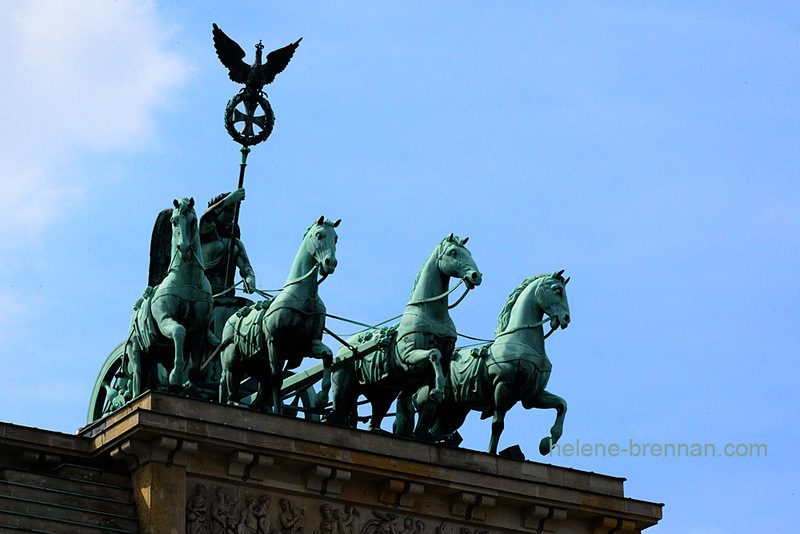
x: 526, y: 327
x: 440, y: 297
x: 309, y: 273
x: 177, y: 252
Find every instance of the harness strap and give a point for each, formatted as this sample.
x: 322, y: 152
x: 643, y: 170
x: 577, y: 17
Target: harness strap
x: 439, y: 297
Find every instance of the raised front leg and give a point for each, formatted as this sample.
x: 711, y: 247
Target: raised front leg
x: 545, y: 399
x: 418, y: 359
x: 175, y: 331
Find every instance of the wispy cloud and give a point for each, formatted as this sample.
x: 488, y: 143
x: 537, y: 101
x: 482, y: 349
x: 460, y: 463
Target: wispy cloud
x: 76, y: 76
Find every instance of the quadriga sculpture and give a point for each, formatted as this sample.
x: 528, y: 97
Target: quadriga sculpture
x: 272, y: 336
x: 515, y: 368
x: 170, y: 323
x: 416, y: 352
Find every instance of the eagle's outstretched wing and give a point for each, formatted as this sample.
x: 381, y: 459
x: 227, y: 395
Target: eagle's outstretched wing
x: 277, y: 61
x: 231, y: 55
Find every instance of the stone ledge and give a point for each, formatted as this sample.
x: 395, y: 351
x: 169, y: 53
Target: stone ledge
x: 470, y: 485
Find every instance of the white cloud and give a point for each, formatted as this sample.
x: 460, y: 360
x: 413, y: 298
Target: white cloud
x: 76, y: 76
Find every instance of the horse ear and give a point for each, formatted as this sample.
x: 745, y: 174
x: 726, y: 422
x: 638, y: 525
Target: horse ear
x: 464, y: 241
x: 337, y: 223
x: 321, y: 219
x: 175, y: 202
x: 191, y: 202
x: 567, y: 280
x: 450, y: 237
x: 558, y: 274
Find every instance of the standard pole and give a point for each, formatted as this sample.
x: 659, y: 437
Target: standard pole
x: 230, y: 269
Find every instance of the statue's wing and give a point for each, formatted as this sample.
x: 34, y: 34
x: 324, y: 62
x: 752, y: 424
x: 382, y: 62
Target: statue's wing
x: 160, y: 248
x: 231, y: 55
x: 277, y: 61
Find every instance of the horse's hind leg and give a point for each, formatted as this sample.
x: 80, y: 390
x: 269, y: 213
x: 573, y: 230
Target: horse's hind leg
x: 502, y: 403
x: 323, y: 352
x: 545, y: 399
x: 229, y: 381
x: 276, y: 377
x: 404, y: 418
x: 345, y: 396
x: 381, y: 402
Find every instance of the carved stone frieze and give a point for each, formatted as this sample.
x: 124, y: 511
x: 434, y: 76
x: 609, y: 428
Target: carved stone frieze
x: 246, y: 509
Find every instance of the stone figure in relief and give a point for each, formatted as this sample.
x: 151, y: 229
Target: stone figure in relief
x: 291, y: 521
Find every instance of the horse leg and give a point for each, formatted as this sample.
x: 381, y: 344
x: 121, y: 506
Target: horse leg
x: 413, y: 358
x: 134, y: 354
x: 321, y: 351
x: 345, y: 396
x: 545, y: 399
x: 404, y: 418
x: 276, y: 377
x: 228, y: 383
x: 502, y: 403
x: 175, y: 331
x: 428, y: 409
x: 380, y: 406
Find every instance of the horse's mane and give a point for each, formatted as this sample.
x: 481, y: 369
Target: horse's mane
x: 327, y: 222
x: 419, y: 273
x: 161, y: 242
x: 505, y: 313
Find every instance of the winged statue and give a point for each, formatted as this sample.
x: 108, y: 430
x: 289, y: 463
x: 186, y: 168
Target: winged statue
x: 257, y: 75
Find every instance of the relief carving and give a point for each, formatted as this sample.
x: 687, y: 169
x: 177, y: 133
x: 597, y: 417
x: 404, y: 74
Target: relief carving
x: 241, y: 510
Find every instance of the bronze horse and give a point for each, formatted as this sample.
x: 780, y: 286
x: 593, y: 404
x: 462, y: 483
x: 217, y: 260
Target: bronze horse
x: 273, y: 336
x: 417, y: 350
x: 514, y: 368
x: 169, y: 325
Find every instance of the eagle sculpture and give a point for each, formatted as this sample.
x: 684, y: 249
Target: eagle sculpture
x: 254, y: 76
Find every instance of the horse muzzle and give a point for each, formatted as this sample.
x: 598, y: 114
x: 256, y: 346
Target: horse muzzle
x: 328, y: 265
x: 472, y: 279
x: 559, y: 319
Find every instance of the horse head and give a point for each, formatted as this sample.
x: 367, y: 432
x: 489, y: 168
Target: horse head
x: 184, y: 229
x: 320, y: 243
x: 551, y: 296
x: 456, y: 261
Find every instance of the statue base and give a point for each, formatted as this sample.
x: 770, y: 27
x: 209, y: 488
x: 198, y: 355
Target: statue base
x: 190, y: 466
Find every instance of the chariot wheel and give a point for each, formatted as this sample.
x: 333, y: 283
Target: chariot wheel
x: 301, y: 403
x: 295, y: 403
x: 98, y: 405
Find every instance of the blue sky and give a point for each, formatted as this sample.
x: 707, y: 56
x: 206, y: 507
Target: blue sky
x: 651, y: 150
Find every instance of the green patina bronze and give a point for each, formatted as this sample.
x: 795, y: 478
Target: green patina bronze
x: 250, y: 106
x: 191, y: 334
x: 170, y: 322
x: 271, y: 337
x: 416, y: 354
x: 514, y: 368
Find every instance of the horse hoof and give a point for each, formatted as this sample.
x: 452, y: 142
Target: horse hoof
x: 545, y: 446
x: 335, y: 419
x: 436, y: 395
